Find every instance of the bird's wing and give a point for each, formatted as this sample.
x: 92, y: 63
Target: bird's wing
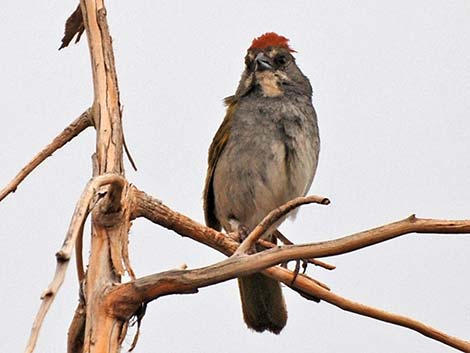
x: 215, y: 150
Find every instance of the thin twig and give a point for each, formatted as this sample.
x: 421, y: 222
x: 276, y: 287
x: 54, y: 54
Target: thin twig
x: 79, y: 255
x: 128, y: 153
x: 286, y: 241
x: 76, y: 127
x: 82, y: 209
x: 274, y: 216
x: 268, y: 245
x: 323, y: 264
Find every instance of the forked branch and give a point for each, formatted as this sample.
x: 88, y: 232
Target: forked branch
x: 87, y: 201
x: 123, y: 301
x: 369, y: 311
x: 274, y: 216
x: 286, y: 241
x: 162, y: 284
x: 154, y: 210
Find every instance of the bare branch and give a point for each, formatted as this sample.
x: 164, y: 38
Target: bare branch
x: 168, y: 283
x: 268, y: 245
x: 79, y: 256
x: 286, y: 241
x: 128, y: 153
x: 274, y: 216
x: 369, y: 311
x: 123, y: 300
x: 76, y: 127
x: 155, y: 211
x: 76, y: 331
x: 82, y: 209
x: 377, y: 235
x: 144, y: 205
x: 102, y: 332
x: 323, y: 264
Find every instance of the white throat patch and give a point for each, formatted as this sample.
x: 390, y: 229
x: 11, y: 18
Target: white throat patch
x: 270, y: 82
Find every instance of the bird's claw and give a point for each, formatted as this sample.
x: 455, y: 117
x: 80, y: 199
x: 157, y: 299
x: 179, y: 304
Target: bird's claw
x: 297, y: 268
x: 242, y: 232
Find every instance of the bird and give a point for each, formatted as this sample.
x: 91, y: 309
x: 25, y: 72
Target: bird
x: 264, y: 154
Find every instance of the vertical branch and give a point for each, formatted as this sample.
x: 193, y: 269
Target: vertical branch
x: 102, y: 332
x: 107, y: 112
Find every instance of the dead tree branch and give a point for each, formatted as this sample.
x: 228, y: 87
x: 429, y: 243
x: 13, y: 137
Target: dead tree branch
x: 110, y: 222
x: 76, y: 331
x: 155, y: 211
x: 369, y: 311
x: 77, y: 126
x: 82, y: 209
x: 273, y: 217
x: 286, y: 241
x: 124, y: 300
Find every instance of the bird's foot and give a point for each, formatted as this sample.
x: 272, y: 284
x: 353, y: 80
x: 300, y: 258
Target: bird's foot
x: 243, y: 233
x: 234, y: 236
x: 296, y: 273
x: 297, y: 268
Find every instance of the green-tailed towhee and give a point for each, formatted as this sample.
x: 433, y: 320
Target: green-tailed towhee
x: 264, y: 154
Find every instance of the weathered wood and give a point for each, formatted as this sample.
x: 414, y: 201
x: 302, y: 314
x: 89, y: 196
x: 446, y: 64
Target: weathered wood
x: 102, y: 331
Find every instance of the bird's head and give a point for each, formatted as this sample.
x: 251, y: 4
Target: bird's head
x: 270, y: 68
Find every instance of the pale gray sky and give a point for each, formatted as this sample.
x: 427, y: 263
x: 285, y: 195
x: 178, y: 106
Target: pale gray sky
x: 391, y: 87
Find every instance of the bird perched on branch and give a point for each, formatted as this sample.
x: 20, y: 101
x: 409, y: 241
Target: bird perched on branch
x: 264, y: 154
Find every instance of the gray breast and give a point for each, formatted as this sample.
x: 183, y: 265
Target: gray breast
x: 270, y: 158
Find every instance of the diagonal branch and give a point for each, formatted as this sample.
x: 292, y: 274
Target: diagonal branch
x: 369, y: 311
x: 87, y: 201
x: 154, y: 210
x: 151, y: 287
x: 123, y: 300
x: 274, y: 216
x: 378, y: 235
x: 286, y: 241
x: 77, y: 126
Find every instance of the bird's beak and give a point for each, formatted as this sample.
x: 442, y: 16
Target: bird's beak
x: 263, y: 62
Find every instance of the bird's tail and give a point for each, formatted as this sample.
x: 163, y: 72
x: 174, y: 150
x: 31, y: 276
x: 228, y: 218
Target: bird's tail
x: 263, y: 304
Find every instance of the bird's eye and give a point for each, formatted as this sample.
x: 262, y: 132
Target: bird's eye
x: 249, y: 63
x: 281, y: 60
